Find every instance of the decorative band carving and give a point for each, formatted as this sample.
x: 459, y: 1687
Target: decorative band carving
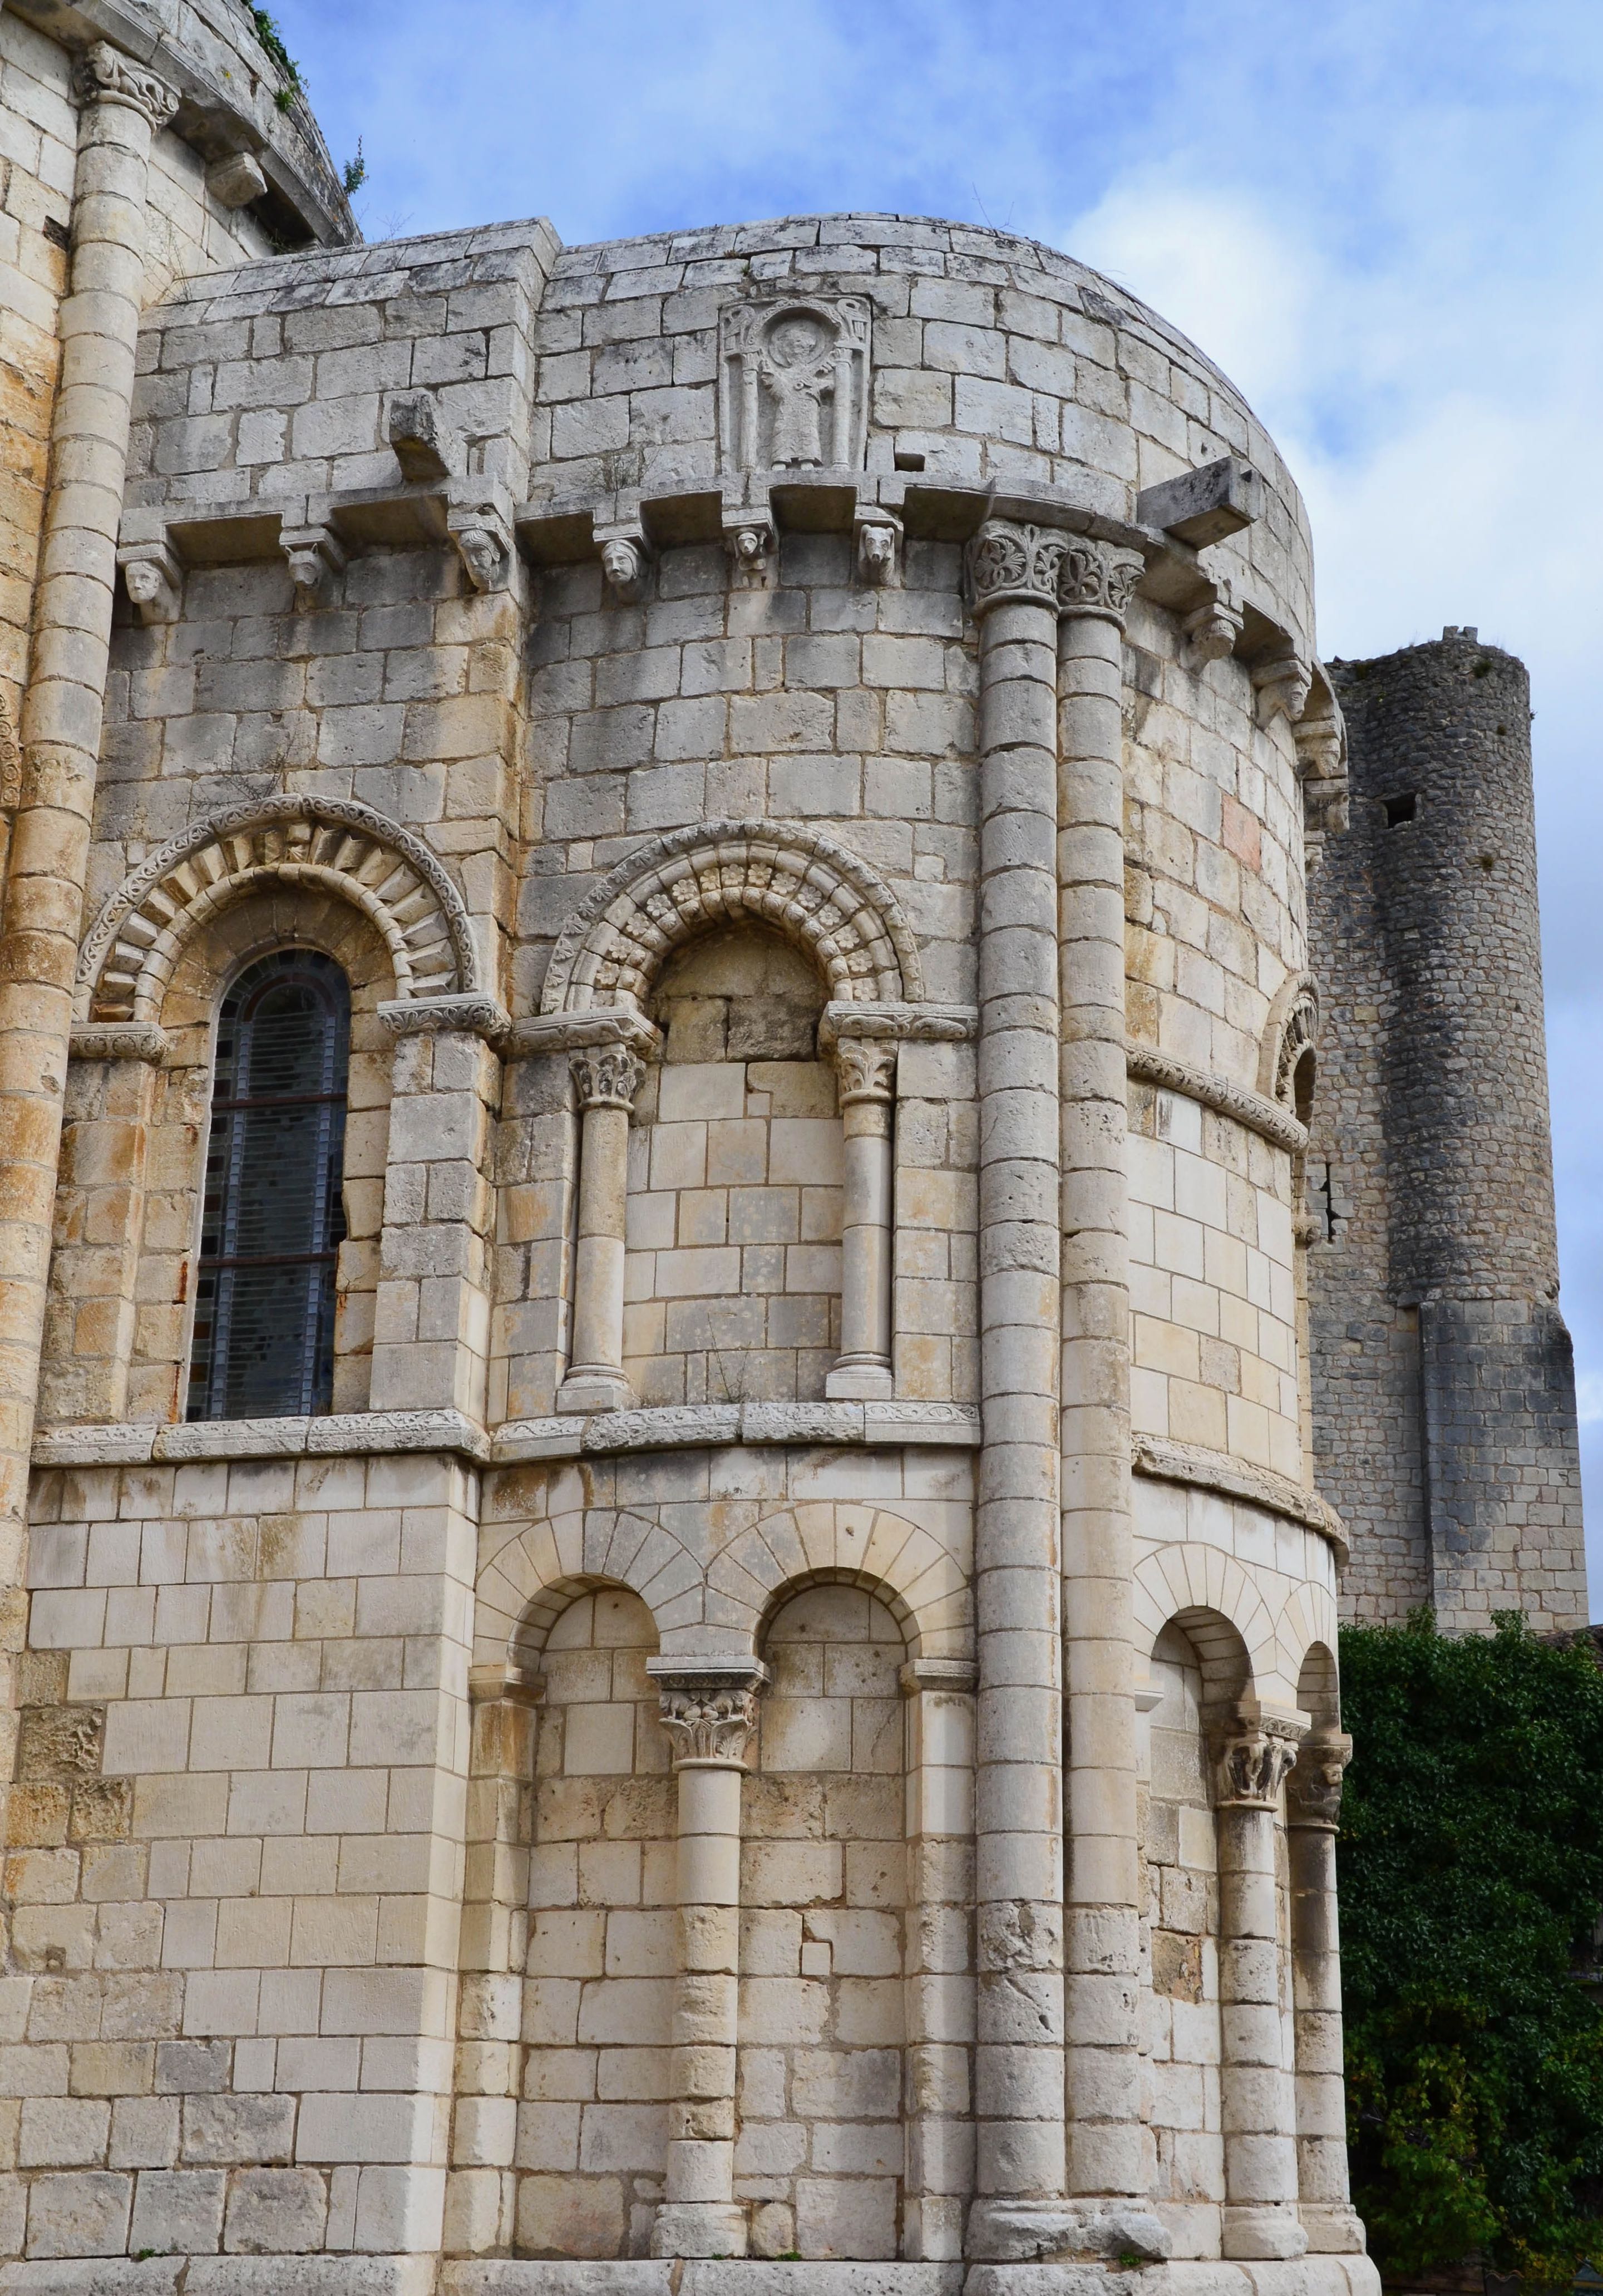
x: 428, y: 1016
x: 801, y: 881
x: 1271, y: 1122
x: 118, y: 1040
x: 1192, y: 1463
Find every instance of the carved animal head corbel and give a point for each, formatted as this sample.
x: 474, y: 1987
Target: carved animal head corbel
x: 878, y: 547
x: 314, y: 552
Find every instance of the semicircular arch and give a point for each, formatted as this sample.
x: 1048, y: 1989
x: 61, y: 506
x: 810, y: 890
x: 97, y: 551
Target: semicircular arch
x: 130, y: 952
x: 812, y: 1541
x: 527, y: 1578
x: 798, y: 880
x: 1190, y: 1577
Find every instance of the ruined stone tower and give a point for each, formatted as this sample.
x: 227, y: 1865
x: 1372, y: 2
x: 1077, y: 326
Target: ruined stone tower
x: 1443, y: 1385
x: 670, y: 1628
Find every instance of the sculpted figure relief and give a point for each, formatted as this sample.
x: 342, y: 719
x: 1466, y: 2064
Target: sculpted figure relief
x: 793, y: 384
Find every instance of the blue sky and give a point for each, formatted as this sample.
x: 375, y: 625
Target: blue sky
x: 1383, y: 218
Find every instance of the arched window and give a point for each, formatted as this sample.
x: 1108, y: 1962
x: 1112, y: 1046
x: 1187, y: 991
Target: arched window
x: 272, y: 1222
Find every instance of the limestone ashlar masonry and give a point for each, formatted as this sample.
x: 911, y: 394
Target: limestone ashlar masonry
x: 1444, y: 1382
x: 766, y: 1729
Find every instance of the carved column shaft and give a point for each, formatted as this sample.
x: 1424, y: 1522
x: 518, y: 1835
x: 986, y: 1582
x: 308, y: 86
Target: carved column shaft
x: 1102, y: 1940
x: 1312, y: 1813
x: 868, y: 1083
x: 123, y: 105
x: 1019, y: 2210
x: 1250, y: 1765
x: 606, y: 1081
x: 709, y: 1714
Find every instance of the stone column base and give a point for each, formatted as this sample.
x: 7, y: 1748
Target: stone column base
x: 707, y: 2229
x: 1275, y: 2235
x: 859, y: 1378
x: 1333, y: 2231
x: 595, y: 1386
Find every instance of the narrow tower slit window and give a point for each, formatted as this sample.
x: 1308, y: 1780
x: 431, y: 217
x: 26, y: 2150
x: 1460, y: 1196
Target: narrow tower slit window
x: 272, y: 1219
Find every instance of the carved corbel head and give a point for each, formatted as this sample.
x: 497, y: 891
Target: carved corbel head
x: 626, y: 562
x: 1212, y: 629
x: 314, y: 553
x: 1283, y: 679
x: 878, y: 547
x: 153, y: 581
x: 482, y: 537
x: 750, y: 540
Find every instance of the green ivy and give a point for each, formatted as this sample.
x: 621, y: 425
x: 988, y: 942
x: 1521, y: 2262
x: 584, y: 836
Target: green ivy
x: 1471, y: 1893
x: 272, y: 42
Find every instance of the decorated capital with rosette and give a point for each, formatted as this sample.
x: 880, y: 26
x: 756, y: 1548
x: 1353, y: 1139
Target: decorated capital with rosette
x: 1010, y: 564
x: 1099, y: 578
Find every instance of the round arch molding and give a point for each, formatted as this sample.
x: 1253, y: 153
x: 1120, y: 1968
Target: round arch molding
x: 333, y: 845
x: 800, y: 880
x: 1291, y: 1029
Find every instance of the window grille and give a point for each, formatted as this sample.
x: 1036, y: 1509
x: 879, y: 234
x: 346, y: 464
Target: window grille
x: 271, y: 1219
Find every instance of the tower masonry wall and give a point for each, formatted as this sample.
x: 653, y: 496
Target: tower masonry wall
x: 1443, y: 1384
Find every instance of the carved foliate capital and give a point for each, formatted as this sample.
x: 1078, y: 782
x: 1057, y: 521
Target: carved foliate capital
x: 1098, y: 579
x: 104, y: 75
x: 607, y: 1076
x: 1313, y: 1793
x: 1008, y: 564
x: 866, y: 1071
x: 1252, y: 1761
x: 709, y: 1716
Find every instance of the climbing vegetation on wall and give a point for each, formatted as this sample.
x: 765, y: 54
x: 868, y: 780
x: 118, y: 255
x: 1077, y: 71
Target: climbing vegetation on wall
x: 1472, y: 1891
